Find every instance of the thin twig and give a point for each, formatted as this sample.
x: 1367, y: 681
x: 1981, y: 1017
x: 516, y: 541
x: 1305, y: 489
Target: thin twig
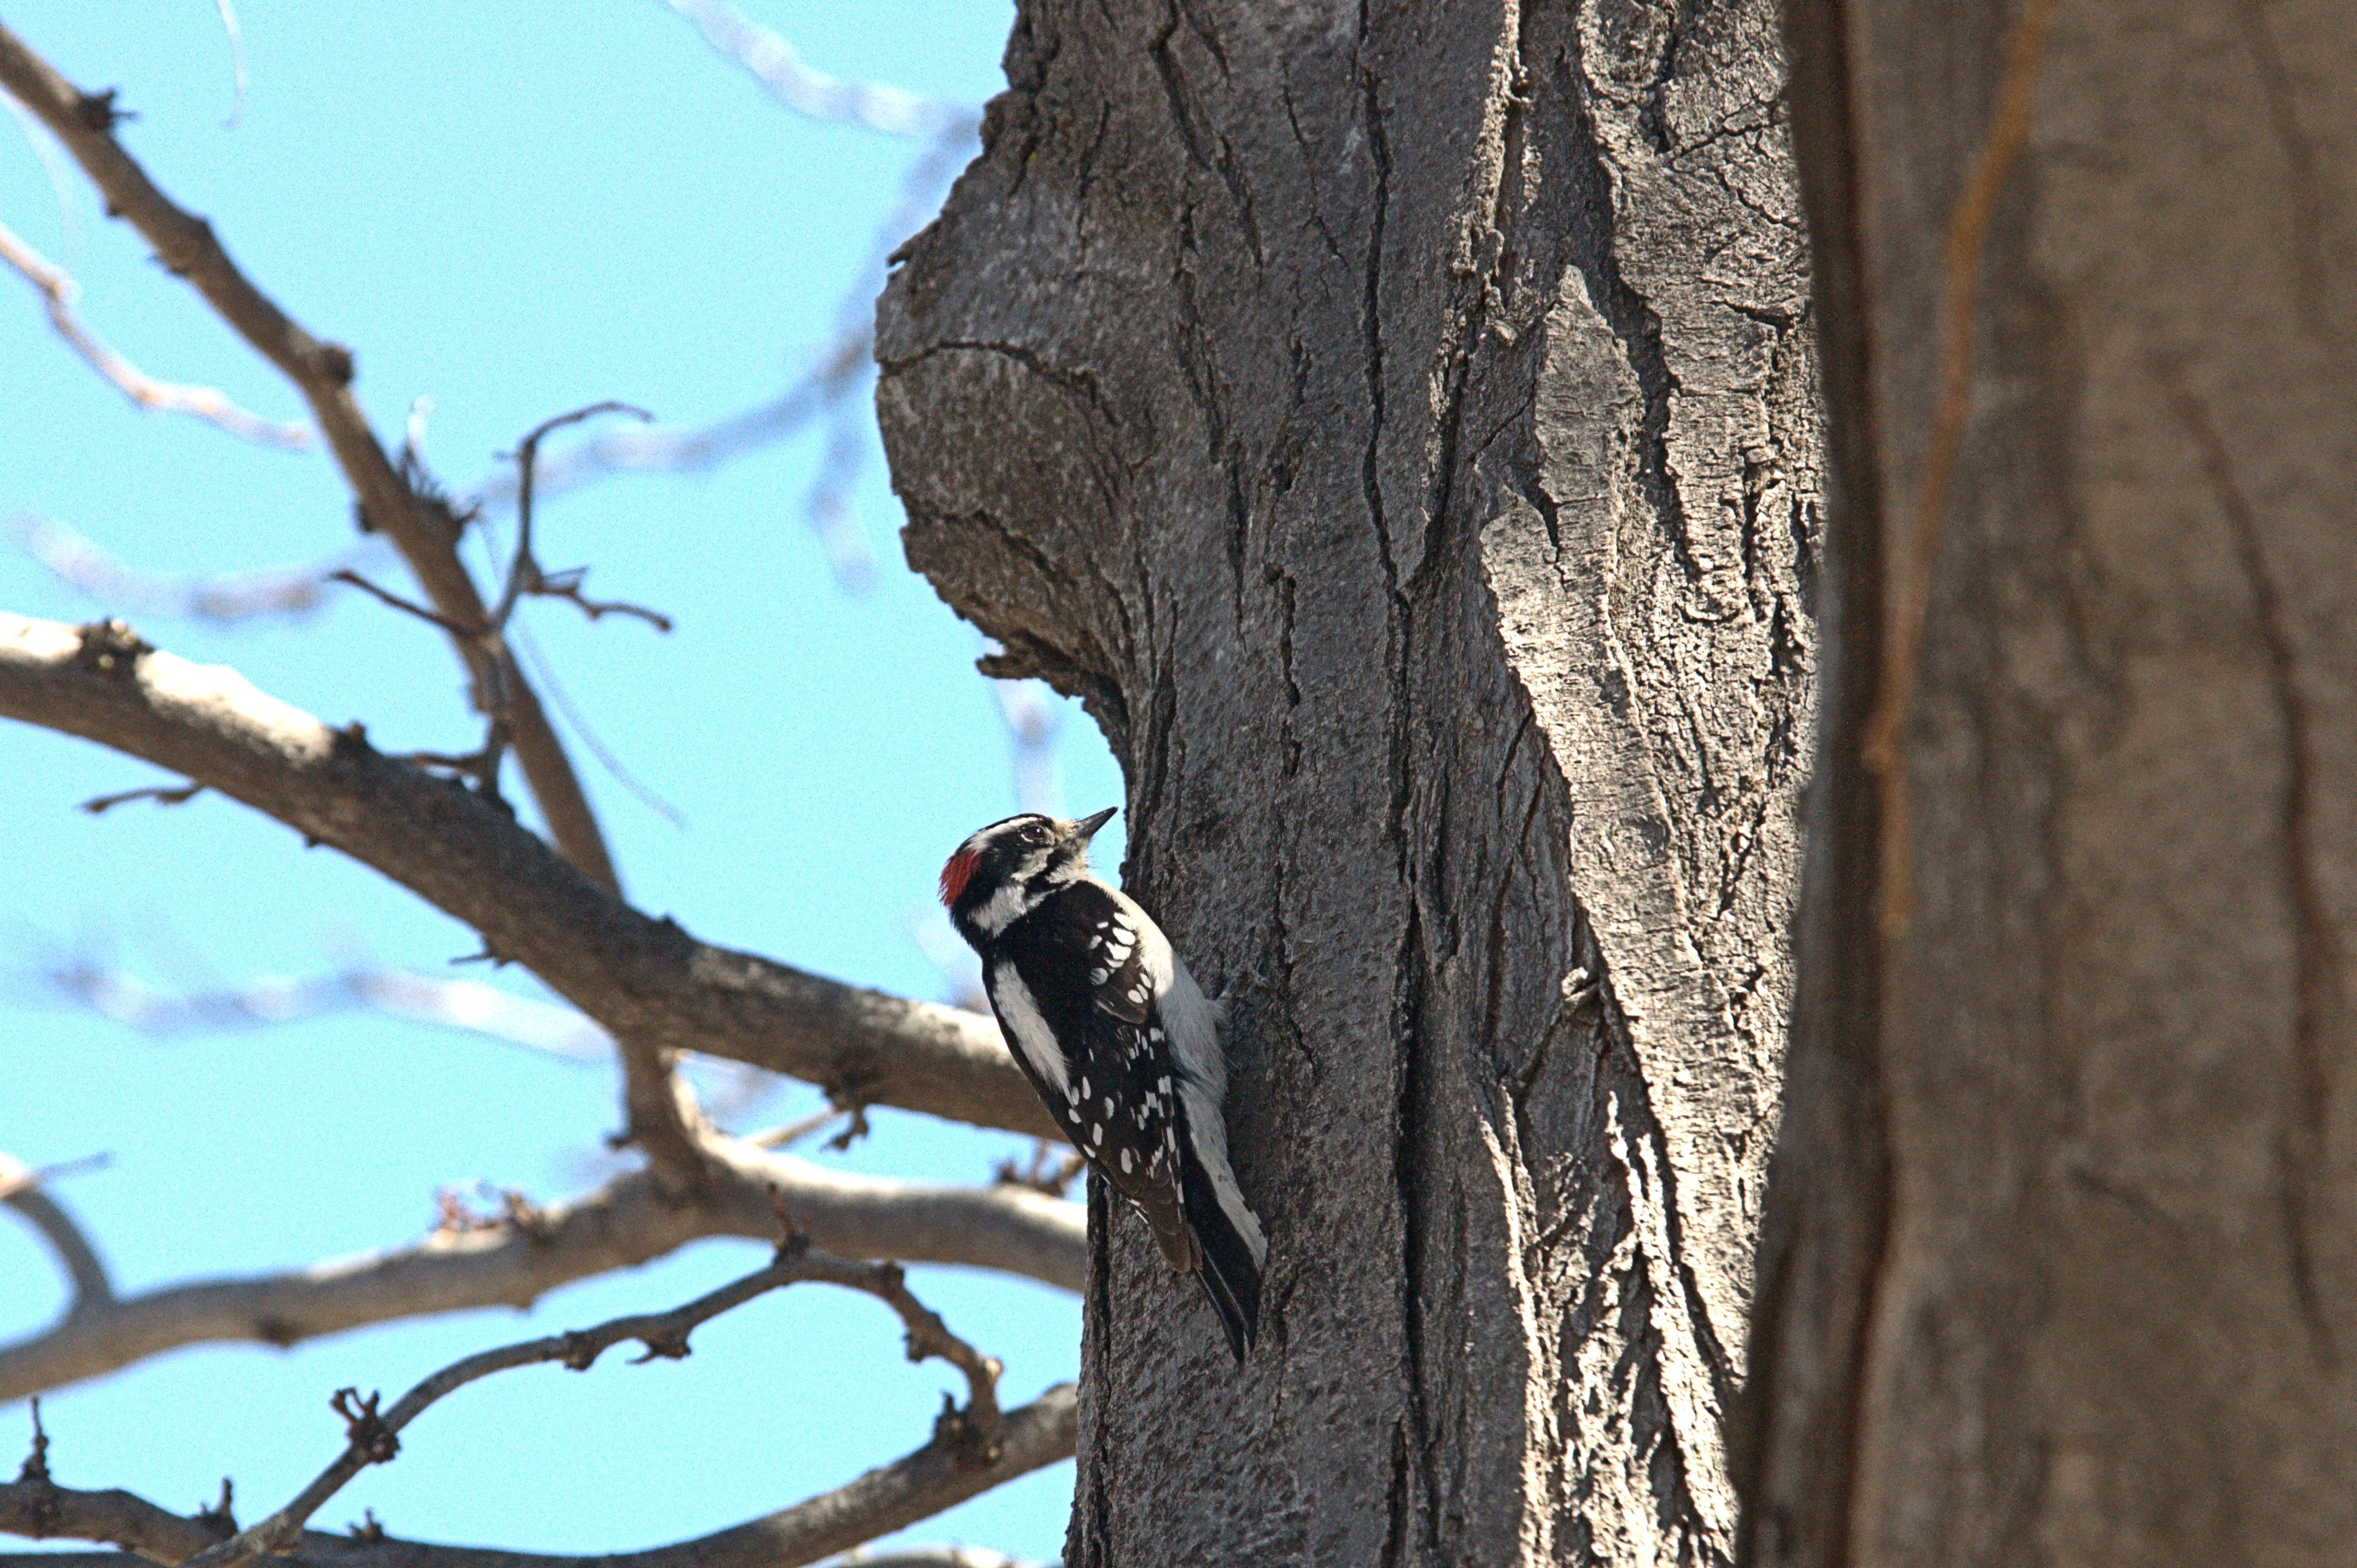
x: 372, y: 1436
x: 525, y: 575
x: 641, y: 792
x: 162, y: 794
x: 236, y: 59
x: 35, y: 1468
x: 1033, y: 718
x: 59, y: 291
x: 93, y: 981
x: 17, y: 1176
x: 1902, y: 653
x: 20, y: 1188
x: 62, y: 185
x: 833, y: 516
x: 1050, y: 1170
x: 916, y: 1487
x: 836, y: 373
x: 566, y: 585
x: 829, y: 386
x: 786, y: 1134
x: 323, y: 372
x: 225, y: 598
x: 385, y: 596
x: 830, y: 99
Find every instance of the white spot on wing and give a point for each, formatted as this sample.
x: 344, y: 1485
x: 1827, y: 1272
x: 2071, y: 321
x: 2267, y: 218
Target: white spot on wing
x: 1182, y: 1010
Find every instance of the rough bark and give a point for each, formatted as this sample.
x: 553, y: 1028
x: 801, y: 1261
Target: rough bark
x: 1399, y: 426
x: 2061, y: 1263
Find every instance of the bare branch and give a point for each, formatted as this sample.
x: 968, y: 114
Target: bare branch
x: 1051, y: 1170
x: 831, y: 100
x: 524, y: 1254
x: 917, y: 1557
x: 20, y: 1188
x: 322, y: 371
x: 236, y: 58
x: 373, y: 1437
x: 97, y: 982
x: 54, y: 164
x: 224, y: 599
x: 837, y: 373
x: 395, y: 601
x: 829, y: 387
x: 524, y: 574
x: 580, y: 722
x: 934, y: 1477
x: 60, y: 292
x: 647, y: 981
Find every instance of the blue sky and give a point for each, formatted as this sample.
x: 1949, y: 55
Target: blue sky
x: 512, y: 210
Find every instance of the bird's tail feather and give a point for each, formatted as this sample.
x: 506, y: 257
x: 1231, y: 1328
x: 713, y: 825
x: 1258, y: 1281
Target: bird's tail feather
x: 1231, y: 1276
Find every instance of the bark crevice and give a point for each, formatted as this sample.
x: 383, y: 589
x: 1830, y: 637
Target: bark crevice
x: 1421, y: 539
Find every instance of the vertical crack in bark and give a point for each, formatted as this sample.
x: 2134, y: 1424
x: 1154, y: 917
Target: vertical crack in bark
x: 1632, y: 320
x: 1636, y: 1148
x: 1086, y: 1537
x: 2308, y: 191
x: 1411, y: 1144
x: 2315, y: 947
x: 1224, y: 166
x: 1489, y: 285
x: 1371, y: 473
x: 1198, y: 367
x: 1643, y: 1151
x: 1653, y: 117
x: 1400, y: 1496
x: 1288, y: 644
x: 1409, y: 1152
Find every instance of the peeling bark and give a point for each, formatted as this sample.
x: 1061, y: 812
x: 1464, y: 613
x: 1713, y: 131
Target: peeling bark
x: 1399, y: 426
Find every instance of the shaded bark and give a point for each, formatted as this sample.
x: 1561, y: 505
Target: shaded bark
x: 1399, y: 427
x: 2061, y: 1262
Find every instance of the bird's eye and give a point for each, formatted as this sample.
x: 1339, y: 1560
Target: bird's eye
x: 1033, y: 832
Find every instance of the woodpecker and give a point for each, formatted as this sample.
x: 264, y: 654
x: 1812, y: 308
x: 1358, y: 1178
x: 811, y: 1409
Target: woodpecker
x: 1119, y: 1041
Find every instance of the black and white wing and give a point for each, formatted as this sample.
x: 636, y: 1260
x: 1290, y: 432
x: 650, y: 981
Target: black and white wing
x: 1062, y: 986
x: 1124, y: 1050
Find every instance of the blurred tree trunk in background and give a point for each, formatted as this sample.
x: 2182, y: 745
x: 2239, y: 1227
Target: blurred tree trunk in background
x: 1400, y: 425
x: 2061, y: 1262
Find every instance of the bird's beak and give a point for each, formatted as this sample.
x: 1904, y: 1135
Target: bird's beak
x: 1086, y: 828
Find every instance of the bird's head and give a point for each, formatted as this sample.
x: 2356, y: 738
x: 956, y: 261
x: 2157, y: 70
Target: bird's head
x: 1002, y: 873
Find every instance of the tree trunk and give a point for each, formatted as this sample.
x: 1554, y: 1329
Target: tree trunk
x: 1399, y: 426
x: 2061, y: 1265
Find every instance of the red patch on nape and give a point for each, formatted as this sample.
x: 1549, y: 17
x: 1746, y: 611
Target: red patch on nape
x: 957, y: 874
